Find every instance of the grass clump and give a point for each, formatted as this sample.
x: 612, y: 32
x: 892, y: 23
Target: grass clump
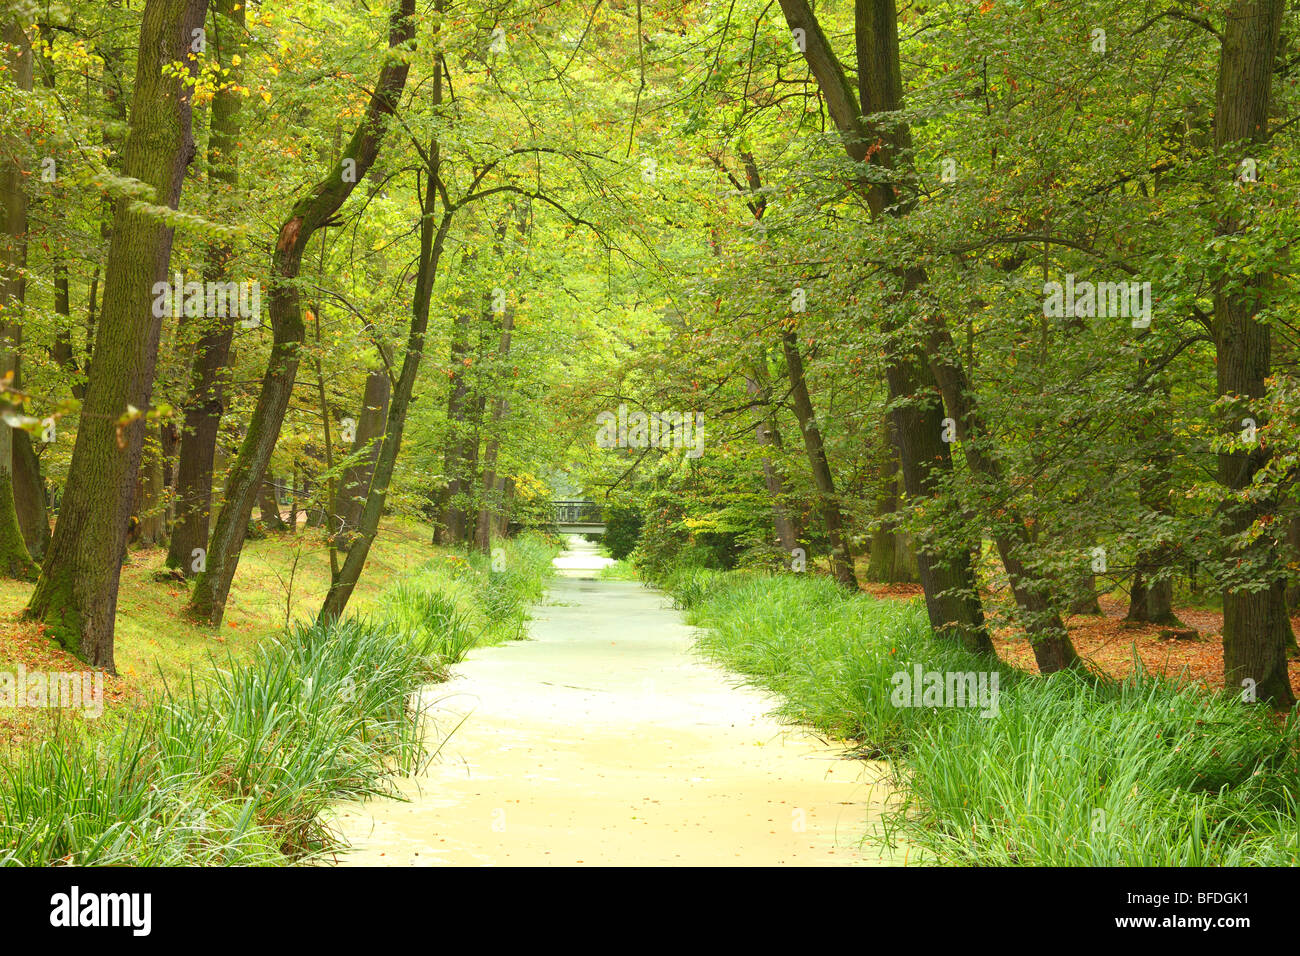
x: 437, y: 618
x: 235, y: 771
x: 461, y: 601
x: 1076, y: 772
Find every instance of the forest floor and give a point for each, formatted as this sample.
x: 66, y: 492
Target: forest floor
x: 279, y: 576
x: 605, y: 740
x: 1112, y: 645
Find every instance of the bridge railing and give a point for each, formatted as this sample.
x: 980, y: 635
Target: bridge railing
x: 577, y: 512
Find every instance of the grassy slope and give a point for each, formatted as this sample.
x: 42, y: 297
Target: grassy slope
x: 155, y: 641
x: 236, y: 763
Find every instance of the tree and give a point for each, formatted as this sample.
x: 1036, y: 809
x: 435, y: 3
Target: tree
x: 15, y: 561
x: 204, y: 405
x: 1254, y: 618
x: 76, y: 593
x: 432, y: 240
x: 947, y: 575
x: 212, y: 587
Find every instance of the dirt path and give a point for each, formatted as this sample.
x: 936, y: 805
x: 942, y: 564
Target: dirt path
x: 605, y: 740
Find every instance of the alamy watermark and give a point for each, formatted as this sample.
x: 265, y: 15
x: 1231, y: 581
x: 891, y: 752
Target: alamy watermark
x: 1086, y: 300
x: 74, y: 908
x: 74, y: 690
x: 922, y: 688
x: 651, y: 430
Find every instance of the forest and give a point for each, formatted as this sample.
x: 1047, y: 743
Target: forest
x: 910, y: 348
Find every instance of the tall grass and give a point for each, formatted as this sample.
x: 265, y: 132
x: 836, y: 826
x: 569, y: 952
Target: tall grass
x: 463, y: 601
x: 237, y: 768
x: 65, y: 803
x: 1131, y: 773
x: 437, y: 619
x: 1071, y: 770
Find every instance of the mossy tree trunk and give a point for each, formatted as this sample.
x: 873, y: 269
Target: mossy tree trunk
x: 76, y: 593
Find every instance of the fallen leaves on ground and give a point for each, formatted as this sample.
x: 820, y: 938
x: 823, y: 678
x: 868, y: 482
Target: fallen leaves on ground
x: 1109, y: 643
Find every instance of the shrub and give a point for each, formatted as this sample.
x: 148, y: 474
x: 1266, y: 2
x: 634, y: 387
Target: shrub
x: 622, y: 531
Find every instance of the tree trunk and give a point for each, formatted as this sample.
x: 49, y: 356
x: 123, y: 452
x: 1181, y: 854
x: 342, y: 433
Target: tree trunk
x: 115, y: 103
x: 500, y: 408
x: 1151, y: 600
x: 1085, y: 602
x: 1254, y: 650
x: 880, y: 89
x: 507, y: 504
x: 1292, y: 554
x: 205, y: 402
x: 313, y: 211
x: 148, y: 509
x: 61, y: 350
x: 891, y: 559
x: 28, y: 484
x: 1281, y: 611
x: 31, y: 498
x: 500, y: 382
x: 431, y: 245
x: 945, y: 568
x: 766, y: 437
x: 269, y: 506
x: 369, y: 436
x: 823, y: 480
x: 1053, y: 649
x: 169, y: 442
x: 462, y: 446
x: 759, y: 386
x: 15, y: 560
x: 297, y: 492
x: 76, y: 593
x: 315, y: 513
